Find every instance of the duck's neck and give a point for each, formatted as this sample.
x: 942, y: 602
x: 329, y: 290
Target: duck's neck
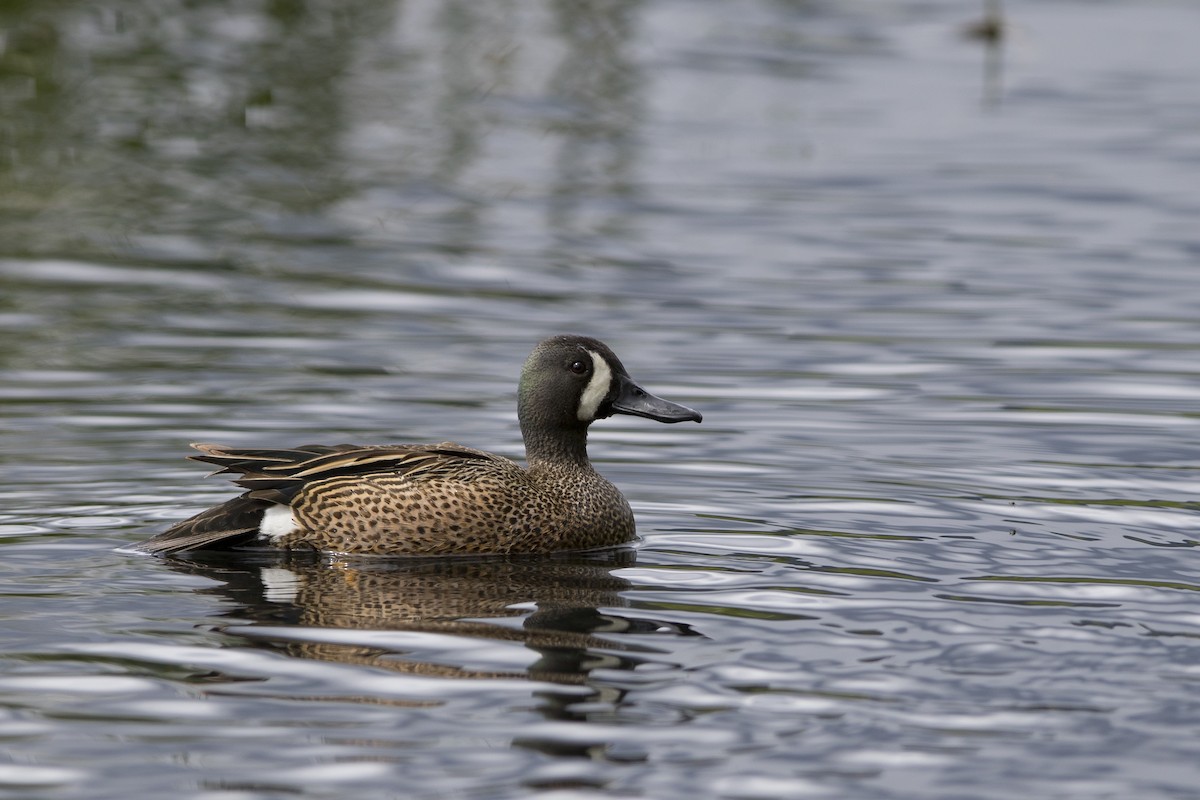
x: 560, y: 448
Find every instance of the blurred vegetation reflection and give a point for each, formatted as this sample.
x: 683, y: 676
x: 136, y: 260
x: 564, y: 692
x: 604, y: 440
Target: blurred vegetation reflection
x: 130, y: 126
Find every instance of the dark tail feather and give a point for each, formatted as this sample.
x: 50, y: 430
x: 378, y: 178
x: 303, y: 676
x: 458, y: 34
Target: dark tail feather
x: 228, y: 525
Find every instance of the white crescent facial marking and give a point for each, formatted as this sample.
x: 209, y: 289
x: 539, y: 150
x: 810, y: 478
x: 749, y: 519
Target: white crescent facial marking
x: 597, y: 388
x: 277, y: 521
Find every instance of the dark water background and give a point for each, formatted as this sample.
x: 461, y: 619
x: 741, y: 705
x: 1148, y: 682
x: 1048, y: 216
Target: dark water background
x: 939, y: 303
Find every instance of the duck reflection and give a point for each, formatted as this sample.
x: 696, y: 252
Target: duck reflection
x: 560, y: 607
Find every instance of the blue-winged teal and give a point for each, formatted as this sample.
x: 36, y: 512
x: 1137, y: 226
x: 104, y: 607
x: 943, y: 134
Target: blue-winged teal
x: 430, y: 499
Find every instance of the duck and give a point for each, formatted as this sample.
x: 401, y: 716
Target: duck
x: 992, y: 28
x: 444, y: 498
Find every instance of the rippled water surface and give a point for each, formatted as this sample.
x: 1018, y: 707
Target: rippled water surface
x: 937, y: 299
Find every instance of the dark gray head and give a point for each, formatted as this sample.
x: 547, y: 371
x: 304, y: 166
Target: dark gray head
x: 569, y: 382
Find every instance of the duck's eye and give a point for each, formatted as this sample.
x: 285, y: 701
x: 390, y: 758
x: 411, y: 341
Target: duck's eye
x: 579, y: 367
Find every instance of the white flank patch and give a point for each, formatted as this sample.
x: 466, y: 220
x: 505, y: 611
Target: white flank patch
x: 597, y: 389
x: 277, y: 521
x: 279, y: 585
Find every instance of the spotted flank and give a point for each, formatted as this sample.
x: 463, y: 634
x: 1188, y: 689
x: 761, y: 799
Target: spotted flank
x: 444, y: 498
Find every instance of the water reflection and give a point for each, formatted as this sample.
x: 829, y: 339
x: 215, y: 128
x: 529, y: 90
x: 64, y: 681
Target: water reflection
x: 94, y: 166
x: 991, y: 30
x: 600, y: 83
x: 467, y: 614
x: 364, y: 117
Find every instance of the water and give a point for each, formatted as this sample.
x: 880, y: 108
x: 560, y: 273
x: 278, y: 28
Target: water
x: 935, y: 538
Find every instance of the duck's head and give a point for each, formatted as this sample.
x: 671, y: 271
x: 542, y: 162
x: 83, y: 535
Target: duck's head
x: 569, y: 382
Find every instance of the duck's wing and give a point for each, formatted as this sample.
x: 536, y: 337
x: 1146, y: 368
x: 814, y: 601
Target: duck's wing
x: 274, y: 476
x: 233, y: 523
x: 277, y: 475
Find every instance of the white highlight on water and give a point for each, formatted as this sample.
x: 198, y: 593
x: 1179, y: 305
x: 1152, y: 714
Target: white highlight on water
x: 279, y: 585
